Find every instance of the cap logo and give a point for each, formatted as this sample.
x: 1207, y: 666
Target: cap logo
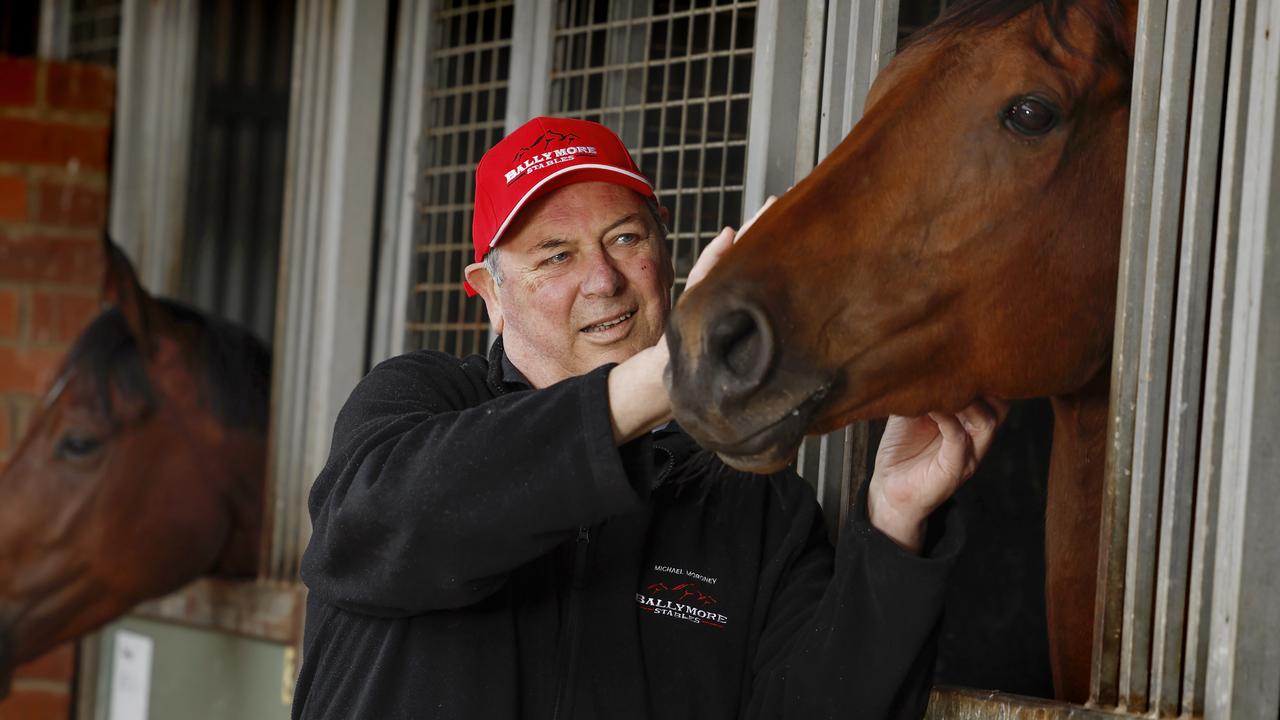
x: 540, y: 155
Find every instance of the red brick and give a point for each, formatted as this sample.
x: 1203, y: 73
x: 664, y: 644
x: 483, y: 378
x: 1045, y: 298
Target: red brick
x: 60, y: 317
x: 42, y: 142
x: 51, y: 258
x: 70, y: 204
x: 31, y: 704
x: 57, y: 664
x: 17, y: 82
x: 28, y: 370
x: 13, y: 198
x: 10, y: 319
x: 72, y: 86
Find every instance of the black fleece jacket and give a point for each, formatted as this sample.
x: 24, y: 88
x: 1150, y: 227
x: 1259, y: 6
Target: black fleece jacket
x: 483, y: 550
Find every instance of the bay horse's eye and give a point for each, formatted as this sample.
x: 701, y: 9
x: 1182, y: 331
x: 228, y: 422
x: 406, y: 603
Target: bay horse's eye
x: 71, y: 446
x: 1030, y: 116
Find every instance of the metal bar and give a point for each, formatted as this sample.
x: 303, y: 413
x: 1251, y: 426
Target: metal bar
x: 1243, y: 680
x: 775, y: 118
x: 1212, y: 441
x: 1143, y: 118
x: 1174, y: 679
x: 948, y: 703
x: 1152, y: 504
x: 403, y: 158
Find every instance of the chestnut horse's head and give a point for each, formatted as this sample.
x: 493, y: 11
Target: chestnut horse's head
x: 962, y: 241
x: 142, y: 468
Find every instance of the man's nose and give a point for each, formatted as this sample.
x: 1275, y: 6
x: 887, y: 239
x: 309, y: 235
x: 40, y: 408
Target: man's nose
x: 603, y: 278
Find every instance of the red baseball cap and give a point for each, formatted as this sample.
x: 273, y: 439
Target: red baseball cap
x: 544, y: 154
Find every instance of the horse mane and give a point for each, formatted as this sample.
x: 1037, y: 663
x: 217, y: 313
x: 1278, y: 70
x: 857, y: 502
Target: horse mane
x: 1108, y: 16
x: 235, y: 366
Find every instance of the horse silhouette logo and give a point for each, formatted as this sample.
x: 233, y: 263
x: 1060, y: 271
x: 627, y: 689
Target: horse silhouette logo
x: 684, y: 592
x: 544, y: 143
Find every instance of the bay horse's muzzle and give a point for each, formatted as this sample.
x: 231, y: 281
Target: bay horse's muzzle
x: 730, y: 386
x: 728, y: 361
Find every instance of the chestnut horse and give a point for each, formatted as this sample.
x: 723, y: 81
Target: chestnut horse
x: 961, y: 242
x: 142, y: 469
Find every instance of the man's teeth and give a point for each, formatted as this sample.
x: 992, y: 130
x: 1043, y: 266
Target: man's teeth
x: 611, y: 323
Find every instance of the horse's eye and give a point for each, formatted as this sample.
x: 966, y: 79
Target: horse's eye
x: 71, y: 446
x: 1030, y: 116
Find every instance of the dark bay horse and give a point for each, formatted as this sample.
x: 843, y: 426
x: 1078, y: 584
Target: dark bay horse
x: 961, y: 242
x: 142, y: 469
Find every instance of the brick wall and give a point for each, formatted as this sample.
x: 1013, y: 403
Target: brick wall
x: 55, y: 121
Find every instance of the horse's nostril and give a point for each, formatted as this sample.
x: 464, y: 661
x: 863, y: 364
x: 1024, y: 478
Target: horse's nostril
x: 739, y: 342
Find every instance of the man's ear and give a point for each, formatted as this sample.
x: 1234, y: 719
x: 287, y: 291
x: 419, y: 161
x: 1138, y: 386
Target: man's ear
x: 480, y: 279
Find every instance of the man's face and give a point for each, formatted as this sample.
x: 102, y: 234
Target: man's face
x: 586, y: 282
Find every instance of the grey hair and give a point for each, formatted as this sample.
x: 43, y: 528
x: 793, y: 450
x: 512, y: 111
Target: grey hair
x: 491, y: 257
x: 491, y: 264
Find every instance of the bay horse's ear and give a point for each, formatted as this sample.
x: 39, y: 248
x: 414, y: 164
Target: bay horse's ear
x: 120, y: 287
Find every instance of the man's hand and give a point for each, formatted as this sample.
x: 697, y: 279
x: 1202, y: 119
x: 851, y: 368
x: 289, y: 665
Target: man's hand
x: 922, y: 461
x: 637, y: 395
x: 716, y: 249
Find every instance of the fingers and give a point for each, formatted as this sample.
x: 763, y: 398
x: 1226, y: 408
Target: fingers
x: 711, y: 253
x: 710, y: 256
x: 955, y: 457
x: 980, y: 420
x: 768, y: 201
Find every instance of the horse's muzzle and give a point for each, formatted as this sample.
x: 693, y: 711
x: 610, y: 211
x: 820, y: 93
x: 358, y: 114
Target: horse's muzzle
x: 729, y: 385
x: 723, y: 359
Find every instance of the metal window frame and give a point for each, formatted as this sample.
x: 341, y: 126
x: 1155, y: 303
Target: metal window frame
x: 1244, y: 640
x: 400, y: 179
x: 152, y: 137
x: 326, y: 253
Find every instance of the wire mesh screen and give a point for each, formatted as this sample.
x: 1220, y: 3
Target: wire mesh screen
x: 466, y: 107
x: 94, y: 31
x: 673, y: 79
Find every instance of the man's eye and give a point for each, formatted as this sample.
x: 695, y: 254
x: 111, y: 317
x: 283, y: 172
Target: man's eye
x: 557, y: 258
x: 627, y: 239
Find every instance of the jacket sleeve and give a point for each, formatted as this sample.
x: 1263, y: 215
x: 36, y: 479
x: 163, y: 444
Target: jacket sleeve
x: 858, y: 640
x: 426, y: 503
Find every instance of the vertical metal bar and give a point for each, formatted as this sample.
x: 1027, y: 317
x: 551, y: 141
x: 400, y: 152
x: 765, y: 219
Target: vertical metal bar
x: 1143, y: 117
x: 1177, y: 629
x: 1213, y: 441
x: 1150, y: 503
x: 884, y: 39
x: 403, y: 158
x: 775, y: 101
x: 1243, y: 678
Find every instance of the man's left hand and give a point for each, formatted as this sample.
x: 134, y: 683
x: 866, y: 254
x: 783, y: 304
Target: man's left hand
x: 922, y: 461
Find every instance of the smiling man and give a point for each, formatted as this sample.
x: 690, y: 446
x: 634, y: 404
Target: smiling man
x: 528, y: 536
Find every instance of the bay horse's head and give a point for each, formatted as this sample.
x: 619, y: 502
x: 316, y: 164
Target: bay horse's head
x: 142, y: 468
x: 962, y: 241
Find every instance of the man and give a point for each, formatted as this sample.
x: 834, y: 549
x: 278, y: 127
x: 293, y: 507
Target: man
x: 528, y: 535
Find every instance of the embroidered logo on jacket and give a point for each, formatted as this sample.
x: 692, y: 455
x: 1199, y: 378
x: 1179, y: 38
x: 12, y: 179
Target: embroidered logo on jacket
x: 686, y: 600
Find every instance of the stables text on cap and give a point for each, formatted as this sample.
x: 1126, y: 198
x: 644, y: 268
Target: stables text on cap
x: 540, y: 156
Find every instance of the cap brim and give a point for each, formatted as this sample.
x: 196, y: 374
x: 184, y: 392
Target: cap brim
x: 585, y: 172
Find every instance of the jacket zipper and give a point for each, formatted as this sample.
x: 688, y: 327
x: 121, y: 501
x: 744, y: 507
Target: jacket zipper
x: 568, y: 669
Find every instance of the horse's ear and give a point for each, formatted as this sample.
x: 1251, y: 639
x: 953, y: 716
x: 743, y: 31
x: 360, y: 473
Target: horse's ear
x: 120, y: 287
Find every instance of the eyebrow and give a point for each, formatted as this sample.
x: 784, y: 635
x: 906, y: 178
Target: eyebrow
x: 552, y: 243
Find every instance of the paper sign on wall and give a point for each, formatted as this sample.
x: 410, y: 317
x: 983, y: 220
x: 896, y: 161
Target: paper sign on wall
x: 131, y: 676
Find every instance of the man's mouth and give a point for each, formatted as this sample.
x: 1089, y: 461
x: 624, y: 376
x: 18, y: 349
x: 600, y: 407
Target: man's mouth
x: 601, y: 327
